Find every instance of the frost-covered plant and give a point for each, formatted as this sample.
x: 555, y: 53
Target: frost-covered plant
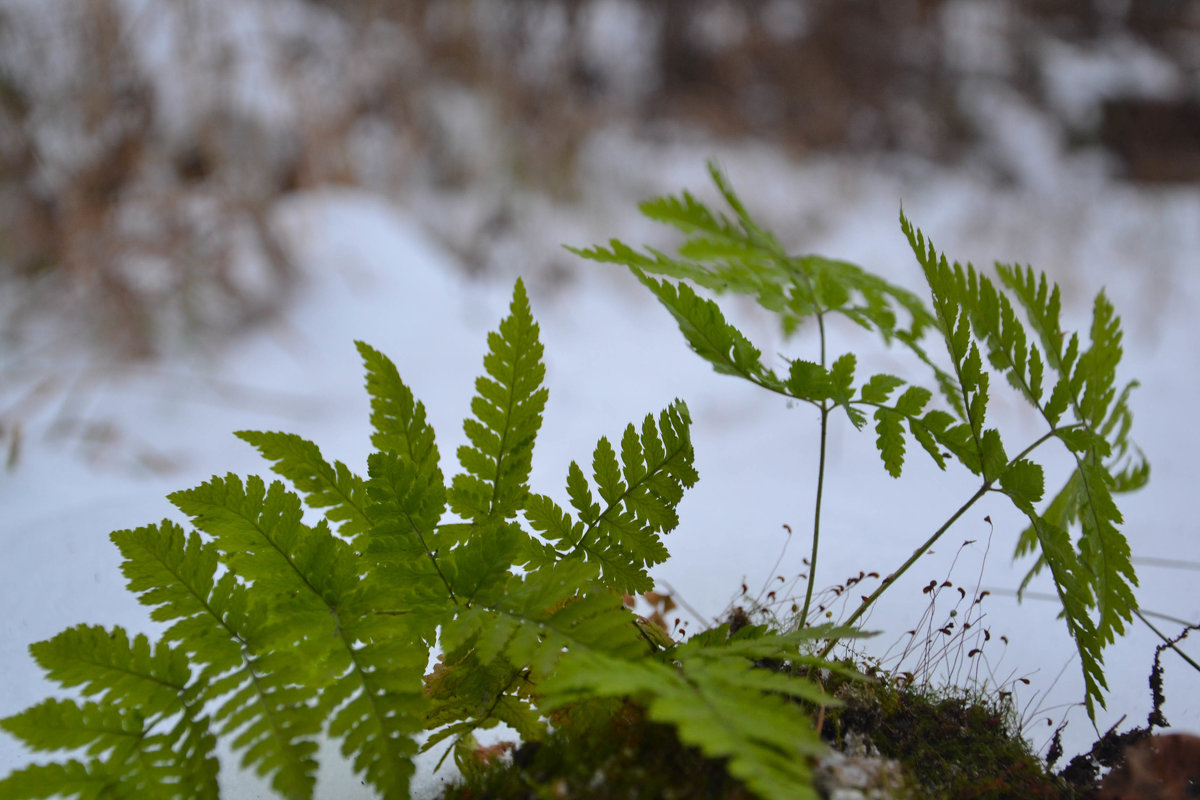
x: 280, y: 630
x: 1069, y: 383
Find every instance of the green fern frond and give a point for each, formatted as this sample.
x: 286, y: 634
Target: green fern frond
x: 384, y: 707
x: 947, y: 286
x: 94, y: 781
x: 407, y: 504
x: 477, y: 570
x: 67, y: 725
x: 544, y: 615
x: 121, y: 671
x: 1072, y: 583
x: 332, y: 487
x: 1083, y: 410
x: 507, y: 416
x: 323, y: 614
x: 689, y: 215
x: 222, y: 626
x: 139, y: 689
x: 739, y: 255
x: 398, y: 420
x: 638, y: 500
x: 719, y: 702
x: 497, y: 656
x: 213, y: 619
x: 709, y: 335
x: 473, y: 695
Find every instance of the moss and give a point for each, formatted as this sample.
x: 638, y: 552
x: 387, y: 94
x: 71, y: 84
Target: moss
x: 951, y: 744
x: 603, y: 752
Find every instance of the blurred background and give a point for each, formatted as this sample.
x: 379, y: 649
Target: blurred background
x: 145, y: 145
x: 187, y: 187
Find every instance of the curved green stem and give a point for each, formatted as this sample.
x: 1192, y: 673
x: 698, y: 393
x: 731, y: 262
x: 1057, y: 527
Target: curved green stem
x: 816, y: 532
x: 920, y: 551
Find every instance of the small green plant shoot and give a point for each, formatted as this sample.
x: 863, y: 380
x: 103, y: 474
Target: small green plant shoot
x: 1071, y: 385
x: 406, y: 606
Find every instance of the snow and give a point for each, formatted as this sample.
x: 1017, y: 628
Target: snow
x: 1080, y: 78
x: 372, y: 272
x: 612, y: 356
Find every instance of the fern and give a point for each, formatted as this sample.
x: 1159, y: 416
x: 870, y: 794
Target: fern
x: 146, y: 733
x: 637, y: 502
x: 981, y: 329
x: 1082, y: 410
x: 282, y: 627
x: 712, y: 692
x: 507, y: 415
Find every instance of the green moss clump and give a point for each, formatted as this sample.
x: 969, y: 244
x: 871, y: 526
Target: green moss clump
x: 602, y: 751
x: 951, y: 744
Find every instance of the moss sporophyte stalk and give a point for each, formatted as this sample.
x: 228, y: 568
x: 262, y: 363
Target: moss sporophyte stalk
x: 281, y: 631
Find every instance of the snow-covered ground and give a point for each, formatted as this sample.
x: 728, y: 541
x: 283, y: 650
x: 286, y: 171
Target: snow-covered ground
x: 613, y: 356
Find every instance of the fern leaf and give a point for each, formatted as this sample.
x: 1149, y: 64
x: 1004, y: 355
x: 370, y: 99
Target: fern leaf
x: 323, y: 614
x: 841, y: 387
x: 1071, y: 581
x: 93, y: 781
x: 397, y: 418
x: 879, y: 388
x: 639, y: 498
x: 709, y: 335
x: 260, y: 531
x: 507, y: 416
x: 1106, y: 552
x: 689, y: 215
x: 120, y: 670
x: 407, y: 504
x: 332, y: 487
x: 472, y: 695
x: 1099, y: 578
x: 715, y: 705
x: 555, y: 524
x: 129, y: 758
x: 929, y: 430
x: 809, y: 382
x: 497, y: 655
x: 890, y: 441
x: 132, y: 681
x: 477, y: 570
x: 739, y: 255
x: 949, y: 287
x: 220, y: 626
x: 545, y: 618
x: 655, y: 263
x: 384, y: 707
x: 1024, y: 481
x: 176, y: 574
x: 67, y: 725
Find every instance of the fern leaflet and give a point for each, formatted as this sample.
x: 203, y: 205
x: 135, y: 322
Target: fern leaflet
x: 638, y: 498
x: 507, y: 415
x: 1099, y: 576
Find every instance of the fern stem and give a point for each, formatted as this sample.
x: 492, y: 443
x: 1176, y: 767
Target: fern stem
x: 920, y: 551
x: 816, y: 533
